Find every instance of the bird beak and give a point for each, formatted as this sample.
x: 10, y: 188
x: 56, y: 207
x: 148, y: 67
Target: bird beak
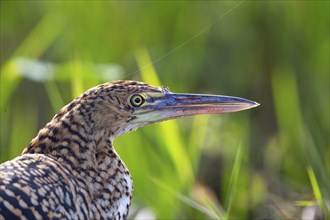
x: 175, y: 105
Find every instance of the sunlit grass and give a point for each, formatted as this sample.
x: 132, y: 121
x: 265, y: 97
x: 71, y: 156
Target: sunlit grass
x: 54, y: 95
x: 169, y: 134
x: 82, y: 45
x: 317, y: 191
x: 232, y: 188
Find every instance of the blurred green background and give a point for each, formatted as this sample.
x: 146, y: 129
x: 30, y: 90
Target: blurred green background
x: 271, y: 162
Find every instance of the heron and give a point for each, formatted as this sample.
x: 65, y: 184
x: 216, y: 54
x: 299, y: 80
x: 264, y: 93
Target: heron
x: 71, y: 170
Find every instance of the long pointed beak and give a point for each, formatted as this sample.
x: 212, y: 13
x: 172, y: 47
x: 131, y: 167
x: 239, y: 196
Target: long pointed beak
x: 175, y: 105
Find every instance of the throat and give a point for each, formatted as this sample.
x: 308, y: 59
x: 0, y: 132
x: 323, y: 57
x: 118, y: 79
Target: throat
x: 115, y: 192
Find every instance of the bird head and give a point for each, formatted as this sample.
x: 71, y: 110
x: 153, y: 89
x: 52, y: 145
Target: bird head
x: 123, y: 106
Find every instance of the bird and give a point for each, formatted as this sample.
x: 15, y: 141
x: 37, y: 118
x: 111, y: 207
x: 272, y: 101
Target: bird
x: 71, y: 170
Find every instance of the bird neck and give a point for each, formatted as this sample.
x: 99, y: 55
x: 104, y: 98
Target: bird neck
x: 71, y: 139
x: 78, y: 141
x: 89, y: 155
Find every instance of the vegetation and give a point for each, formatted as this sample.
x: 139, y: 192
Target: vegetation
x: 272, y: 162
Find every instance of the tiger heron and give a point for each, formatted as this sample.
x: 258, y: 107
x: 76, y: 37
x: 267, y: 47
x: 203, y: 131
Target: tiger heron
x: 71, y: 170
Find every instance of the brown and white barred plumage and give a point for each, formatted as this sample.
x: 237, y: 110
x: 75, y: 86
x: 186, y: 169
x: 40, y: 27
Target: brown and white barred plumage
x: 70, y: 169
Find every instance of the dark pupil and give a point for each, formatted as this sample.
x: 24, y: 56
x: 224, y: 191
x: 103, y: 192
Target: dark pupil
x: 137, y: 100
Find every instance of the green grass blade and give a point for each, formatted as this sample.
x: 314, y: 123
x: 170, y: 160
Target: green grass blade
x: 25, y: 128
x: 147, y: 70
x: 233, y: 180
x: 296, y: 138
x: 41, y: 36
x: 54, y: 95
x: 169, y: 130
x: 316, y: 189
x: 9, y: 78
x: 214, y: 214
x: 77, y: 78
x: 198, y: 134
x: 35, y: 44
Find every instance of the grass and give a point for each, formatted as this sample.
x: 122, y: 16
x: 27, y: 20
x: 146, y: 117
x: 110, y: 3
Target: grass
x: 232, y: 188
x: 317, y: 191
x: 243, y: 165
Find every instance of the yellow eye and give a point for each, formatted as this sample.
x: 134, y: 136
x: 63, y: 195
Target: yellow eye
x: 137, y: 100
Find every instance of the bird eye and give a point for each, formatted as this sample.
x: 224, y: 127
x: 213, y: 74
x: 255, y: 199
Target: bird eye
x: 137, y: 100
